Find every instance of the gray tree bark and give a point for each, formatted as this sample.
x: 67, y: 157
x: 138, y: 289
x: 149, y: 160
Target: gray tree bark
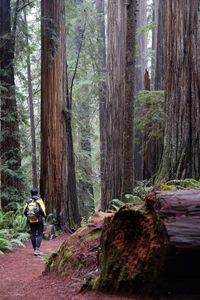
x: 102, y: 88
x: 141, y: 47
x: 11, y: 182
x: 182, y: 103
x: 154, y: 40
x: 119, y: 163
x: 160, y: 49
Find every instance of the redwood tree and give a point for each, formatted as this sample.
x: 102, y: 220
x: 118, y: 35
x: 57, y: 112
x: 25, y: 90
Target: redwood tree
x: 160, y: 49
x: 141, y: 64
x: 152, y: 143
x: 84, y: 164
x: 11, y: 180
x: 31, y: 106
x: 141, y: 53
x: 119, y: 164
x: 154, y: 39
x: 182, y: 104
x: 102, y: 88
x: 58, y: 184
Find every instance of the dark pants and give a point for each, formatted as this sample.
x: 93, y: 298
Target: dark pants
x: 36, y: 234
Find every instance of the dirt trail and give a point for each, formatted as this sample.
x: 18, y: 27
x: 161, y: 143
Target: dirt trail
x: 22, y: 278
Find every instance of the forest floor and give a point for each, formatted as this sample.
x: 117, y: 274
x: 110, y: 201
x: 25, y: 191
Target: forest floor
x: 22, y: 277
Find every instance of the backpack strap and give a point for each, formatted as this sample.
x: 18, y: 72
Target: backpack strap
x: 42, y: 206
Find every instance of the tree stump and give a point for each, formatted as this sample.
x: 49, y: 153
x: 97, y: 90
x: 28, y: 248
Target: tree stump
x: 153, y: 247
x: 49, y: 232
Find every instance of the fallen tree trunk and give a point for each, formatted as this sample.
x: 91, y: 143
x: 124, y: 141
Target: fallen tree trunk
x: 78, y: 255
x: 153, y: 247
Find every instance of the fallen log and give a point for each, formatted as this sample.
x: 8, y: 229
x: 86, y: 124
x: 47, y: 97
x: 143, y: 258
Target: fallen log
x: 79, y: 252
x: 153, y: 247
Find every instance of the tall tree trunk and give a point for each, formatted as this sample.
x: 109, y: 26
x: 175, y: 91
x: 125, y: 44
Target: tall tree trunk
x: 182, y: 104
x: 31, y: 107
x: 141, y: 65
x: 71, y: 210
x: 119, y: 165
x: 58, y: 184
x: 160, y: 49
x: 102, y: 88
x: 84, y: 186
x: 152, y: 146
x: 154, y: 40
x: 128, y: 133
x: 141, y: 56
x: 11, y: 181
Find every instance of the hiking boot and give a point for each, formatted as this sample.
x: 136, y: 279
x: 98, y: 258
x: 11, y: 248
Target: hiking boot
x: 37, y: 252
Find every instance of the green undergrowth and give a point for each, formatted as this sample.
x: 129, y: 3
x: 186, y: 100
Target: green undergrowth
x: 139, y: 192
x: 183, y: 184
x: 142, y: 188
x: 12, y: 229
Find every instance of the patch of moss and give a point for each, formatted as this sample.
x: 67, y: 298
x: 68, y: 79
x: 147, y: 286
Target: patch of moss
x: 93, y: 235
x: 123, y: 274
x: 68, y: 263
x: 110, y: 266
x: 94, y: 283
x: 188, y: 183
x: 158, y: 225
x: 167, y: 187
x: 67, y: 253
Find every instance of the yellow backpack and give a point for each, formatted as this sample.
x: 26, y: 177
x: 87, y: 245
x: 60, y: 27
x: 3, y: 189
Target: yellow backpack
x: 33, y: 211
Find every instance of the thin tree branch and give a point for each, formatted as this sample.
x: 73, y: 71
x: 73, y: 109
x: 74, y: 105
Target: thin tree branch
x: 25, y: 5
x: 77, y: 60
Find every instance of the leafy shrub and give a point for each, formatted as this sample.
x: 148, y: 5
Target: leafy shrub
x: 12, y: 227
x: 139, y: 192
x: 5, y: 245
x: 141, y: 189
x: 116, y: 204
x: 129, y: 198
x: 188, y: 183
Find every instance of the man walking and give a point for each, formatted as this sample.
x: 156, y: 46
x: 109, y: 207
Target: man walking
x: 35, y: 212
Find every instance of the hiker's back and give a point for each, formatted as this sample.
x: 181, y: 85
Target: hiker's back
x: 33, y: 210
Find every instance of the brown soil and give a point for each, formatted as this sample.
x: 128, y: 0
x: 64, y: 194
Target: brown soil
x: 22, y: 277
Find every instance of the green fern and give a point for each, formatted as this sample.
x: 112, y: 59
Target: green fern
x: 23, y: 236
x: 141, y: 189
x: 116, y: 204
x: 12, y: 227
x: 5, y: 234
x: 5, y: 245
x: 8, y: 219
x: 129, y: 198
x: 20, y: 223
x: 16, y: 242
